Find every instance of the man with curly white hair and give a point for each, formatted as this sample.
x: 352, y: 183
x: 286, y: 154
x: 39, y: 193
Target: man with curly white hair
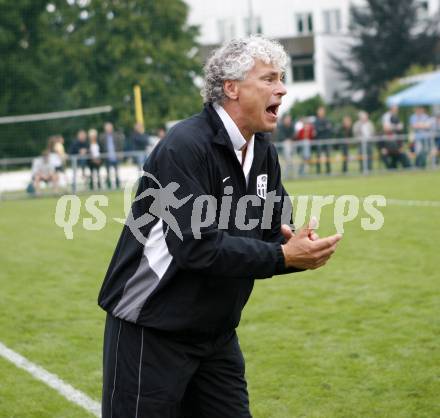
x: 174, y: 299
x: 245, y: 76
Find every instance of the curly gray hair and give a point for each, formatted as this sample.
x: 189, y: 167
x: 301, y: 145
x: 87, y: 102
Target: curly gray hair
x: 235, y: 59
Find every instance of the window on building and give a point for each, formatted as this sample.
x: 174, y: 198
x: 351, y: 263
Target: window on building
x: 304, y: 23
x: 303, y: 68
x: 332, y: 21
x: 310, y: 23
x: 226, y: 30
x: 253, y: 26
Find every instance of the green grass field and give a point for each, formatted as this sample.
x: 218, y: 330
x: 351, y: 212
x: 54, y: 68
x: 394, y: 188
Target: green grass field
x: 358, y: 338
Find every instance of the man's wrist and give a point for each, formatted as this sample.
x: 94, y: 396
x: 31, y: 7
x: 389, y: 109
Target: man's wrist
x: 282, y: 258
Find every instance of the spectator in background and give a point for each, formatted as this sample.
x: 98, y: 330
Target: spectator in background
x: 420, y: 125
x: 111, y: 143
x: 284, y: 135
x: 345, y: 132
x: 324, y: 130
x: 304, y: 134
x: 94, y: 159
x: 54, y: 157
x: 44, y: 171
x: 392, y: 148
x: 80, y: 148
x: 140, y: 142
x: 161, y: 132
x: 58, y: 154
x: 363, y: 130
x: 436, y: 132
x: 155, y: 139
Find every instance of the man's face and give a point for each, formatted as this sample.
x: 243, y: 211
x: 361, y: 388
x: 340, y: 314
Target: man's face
x: 82, y: 136
x: 259, y: 96
x: 108, y: 128
x: 346, y: 121
x: 287, y: 120
x: 161, y: 133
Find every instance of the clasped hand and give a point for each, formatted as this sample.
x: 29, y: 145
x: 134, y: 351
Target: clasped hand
x: 305, y: 250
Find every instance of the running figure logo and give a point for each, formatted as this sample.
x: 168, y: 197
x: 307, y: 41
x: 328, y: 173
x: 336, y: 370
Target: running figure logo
x: 164, y: 199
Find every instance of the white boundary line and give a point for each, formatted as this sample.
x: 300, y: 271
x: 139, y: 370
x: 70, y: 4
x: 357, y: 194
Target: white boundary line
x: 393, y: 202
x: 400, y: 202
x: 52, y: 380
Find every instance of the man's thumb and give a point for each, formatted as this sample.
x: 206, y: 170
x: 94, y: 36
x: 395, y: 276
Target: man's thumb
x: 312, y: 225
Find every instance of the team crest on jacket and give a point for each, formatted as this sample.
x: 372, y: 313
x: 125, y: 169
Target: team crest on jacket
x: 262, y: 186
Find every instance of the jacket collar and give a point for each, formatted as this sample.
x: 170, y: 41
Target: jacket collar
x: 221, y: 136
x: 237, y: 139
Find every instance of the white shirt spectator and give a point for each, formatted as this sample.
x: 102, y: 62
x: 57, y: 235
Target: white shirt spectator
x: 94, y: 151
x: 43, y: 166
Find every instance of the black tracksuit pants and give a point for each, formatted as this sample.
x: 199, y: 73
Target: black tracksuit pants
x: 149, y: 374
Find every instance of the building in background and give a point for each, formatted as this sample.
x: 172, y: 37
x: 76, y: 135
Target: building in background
x: 309, y: 30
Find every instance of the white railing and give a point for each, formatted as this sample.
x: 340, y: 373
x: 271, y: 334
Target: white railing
x: 305, y: 158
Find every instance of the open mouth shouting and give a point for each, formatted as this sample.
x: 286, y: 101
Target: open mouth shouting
x: 272, y: 111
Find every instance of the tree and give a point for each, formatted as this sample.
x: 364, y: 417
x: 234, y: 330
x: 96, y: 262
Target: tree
x: 25, y: 86
x: 307, y: 107
x: 388, y: 39
x: 64, y: 54
x: 110, y: 46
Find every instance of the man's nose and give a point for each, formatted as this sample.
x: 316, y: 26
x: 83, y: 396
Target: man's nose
x: 281, y: 89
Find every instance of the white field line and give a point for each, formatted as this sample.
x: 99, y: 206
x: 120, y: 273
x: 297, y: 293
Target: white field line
x: 52, y: 380
x: 394, y: 202
x: 419, y: 203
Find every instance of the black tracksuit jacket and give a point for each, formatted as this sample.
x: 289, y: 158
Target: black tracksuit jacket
x: 196, y: 287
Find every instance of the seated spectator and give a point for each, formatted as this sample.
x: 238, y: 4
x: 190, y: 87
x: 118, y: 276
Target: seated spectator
x: 44, y: 171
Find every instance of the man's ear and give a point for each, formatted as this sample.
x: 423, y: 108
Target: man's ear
x: 230, y: 87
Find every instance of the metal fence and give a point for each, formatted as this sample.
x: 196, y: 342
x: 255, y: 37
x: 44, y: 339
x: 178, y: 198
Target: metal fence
x: 78, y: 174
x: 357, y: 156
x: 298, y: 159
